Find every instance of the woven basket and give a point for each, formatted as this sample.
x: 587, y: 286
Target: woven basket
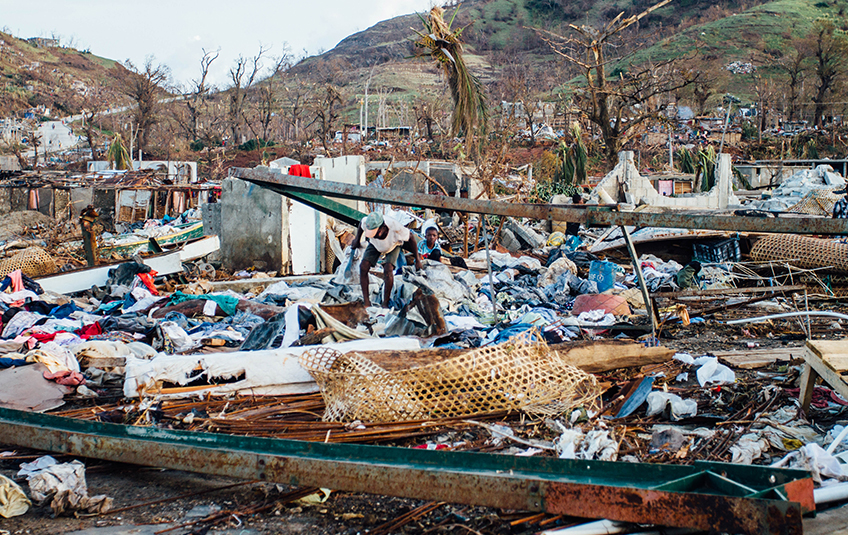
x: 802, y: 252
x: 518, y: 375
x: 32, y: 261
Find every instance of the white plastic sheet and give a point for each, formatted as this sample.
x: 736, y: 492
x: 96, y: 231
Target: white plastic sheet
x: 711, y: 371
x: 680, y: 408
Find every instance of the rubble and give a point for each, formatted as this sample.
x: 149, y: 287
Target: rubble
x: 534, y: 346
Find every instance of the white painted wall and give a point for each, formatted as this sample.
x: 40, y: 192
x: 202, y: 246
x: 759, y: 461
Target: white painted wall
x: 639, y: 190
x: 346, y: 169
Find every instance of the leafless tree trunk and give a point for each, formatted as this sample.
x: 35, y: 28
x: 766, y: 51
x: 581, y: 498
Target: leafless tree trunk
x: 829, y: 47
x: 145, y: 87
x: 194, y: 99
x: 618, y: 105
x: 242, y: 82
x: 327, y: 111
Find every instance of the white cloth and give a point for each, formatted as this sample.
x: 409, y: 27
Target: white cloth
x: 398, y: 234
x: 17, y: 296
x: 21, y: 321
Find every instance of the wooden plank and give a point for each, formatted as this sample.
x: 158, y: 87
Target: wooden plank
x: 824, y: 369
x: 833, y: 352
x: 808, y: 382
x: 731, y: 291
x: 637, y: 267
x: 604, y: 357
x: 103, y: 362
x: 748, y: 359
x: 591, y: 357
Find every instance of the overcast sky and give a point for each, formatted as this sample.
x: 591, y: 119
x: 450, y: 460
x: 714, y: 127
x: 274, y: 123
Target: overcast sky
x: 175, y: 31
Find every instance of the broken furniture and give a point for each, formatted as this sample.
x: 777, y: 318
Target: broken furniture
x: 827, y: 359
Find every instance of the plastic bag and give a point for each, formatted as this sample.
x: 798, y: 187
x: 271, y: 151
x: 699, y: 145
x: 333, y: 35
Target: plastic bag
x: 711, y: 371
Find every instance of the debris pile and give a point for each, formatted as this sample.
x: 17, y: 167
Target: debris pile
x: 515, y: 338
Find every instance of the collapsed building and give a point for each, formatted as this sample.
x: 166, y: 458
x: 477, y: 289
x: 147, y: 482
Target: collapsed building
x: 710, y: 402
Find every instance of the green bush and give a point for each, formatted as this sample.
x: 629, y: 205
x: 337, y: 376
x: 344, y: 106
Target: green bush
x: 749, y: 131
x: 254, y: 144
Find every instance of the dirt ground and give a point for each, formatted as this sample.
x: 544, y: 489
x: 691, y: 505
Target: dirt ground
x: 342, y: 513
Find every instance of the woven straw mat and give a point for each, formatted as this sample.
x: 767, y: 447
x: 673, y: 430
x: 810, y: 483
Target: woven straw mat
x: 802, y: 252
x: 518, y: 375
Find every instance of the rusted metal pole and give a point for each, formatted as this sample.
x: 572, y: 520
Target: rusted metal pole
x: 588, y: 215
x: 705, y: 496
x: 637, y: 268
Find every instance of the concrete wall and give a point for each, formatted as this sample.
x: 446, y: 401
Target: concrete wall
x: 636, y: 189
x: 763, y: 175
x: 254, y: 227
x: 212, y: 219
x: 9, y: 163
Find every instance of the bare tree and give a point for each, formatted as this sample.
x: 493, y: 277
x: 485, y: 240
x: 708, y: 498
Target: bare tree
x: 619, y: 105
x: 326, y: 109
x: 195, y: 97
x: 764, y: 89
x: 521, y: 92
x: 793, y: 64
x: 93, y: 102
x: 296, y: 96
x: 828, y: 47
x: 145, y: 87
x: 265, y: 100
x: 243, y: 74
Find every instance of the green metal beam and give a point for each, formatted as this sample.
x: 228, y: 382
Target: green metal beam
x: 590, y: 489
x: 588, y: 215
x: 332, y: 208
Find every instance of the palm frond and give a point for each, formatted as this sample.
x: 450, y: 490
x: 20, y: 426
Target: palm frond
x: 444, y: 46
x: 117, y: 154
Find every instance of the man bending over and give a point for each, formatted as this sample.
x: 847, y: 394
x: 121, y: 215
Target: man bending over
x: 386, y: 238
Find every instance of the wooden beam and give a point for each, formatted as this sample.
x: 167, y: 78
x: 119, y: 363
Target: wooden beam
x: 589, y: 356
x: 825, y: 359
x: 731, y: 291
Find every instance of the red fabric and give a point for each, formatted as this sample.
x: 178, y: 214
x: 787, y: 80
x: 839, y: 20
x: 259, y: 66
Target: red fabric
x: 65, y: 377
x: 45, y: 337
x: 147, y: 279
x: 822, y: 397
x: 300, y: 170
x: 89, y: 330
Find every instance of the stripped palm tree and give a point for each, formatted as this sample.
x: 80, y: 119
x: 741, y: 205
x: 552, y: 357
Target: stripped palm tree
x: 572, y: 158
x: 117, y: 154
x: 443, y: 44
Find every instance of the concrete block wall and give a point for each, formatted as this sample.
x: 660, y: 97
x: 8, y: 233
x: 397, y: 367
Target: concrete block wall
x: 346, y: 169
x: 639, y: 190
x: 254, y: 227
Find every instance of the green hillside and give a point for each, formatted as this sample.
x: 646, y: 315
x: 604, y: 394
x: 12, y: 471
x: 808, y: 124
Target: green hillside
x: 54, y: 77
x: 499, y: 33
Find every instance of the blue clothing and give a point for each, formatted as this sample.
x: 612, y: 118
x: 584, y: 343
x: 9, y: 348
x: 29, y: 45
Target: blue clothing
x: 432, y: 253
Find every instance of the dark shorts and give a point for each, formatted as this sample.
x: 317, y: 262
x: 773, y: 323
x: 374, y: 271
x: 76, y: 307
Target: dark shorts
x: 372, y: 255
